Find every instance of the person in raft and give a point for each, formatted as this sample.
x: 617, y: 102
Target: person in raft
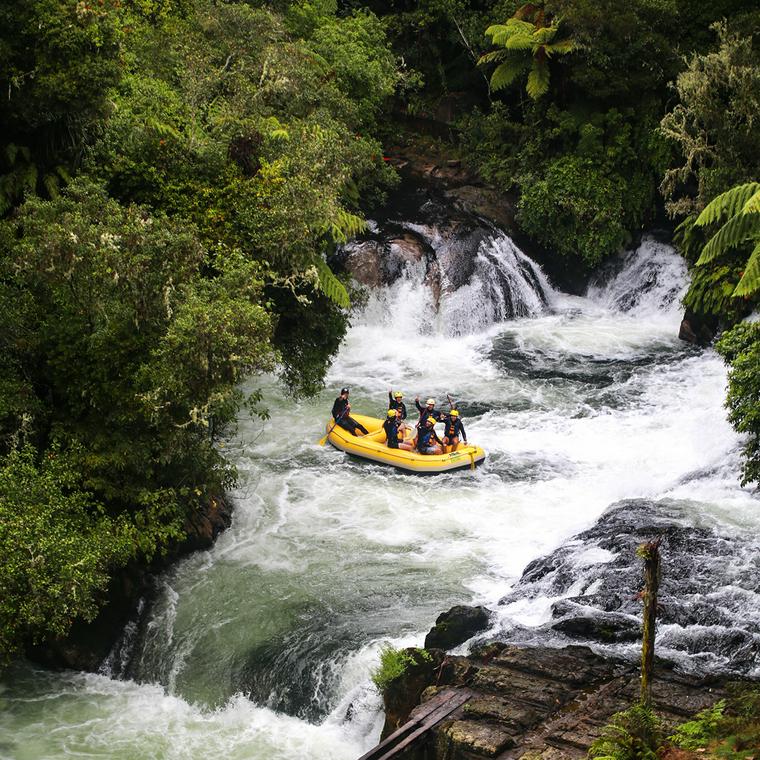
x: 453, y: 429
x: 427, y: 441
x: 395, y: 402
x: 341, y: 413
x: 428, y: 410
x: 392, y: 426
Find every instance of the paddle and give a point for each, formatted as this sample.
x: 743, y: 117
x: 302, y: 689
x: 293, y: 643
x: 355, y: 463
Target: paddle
x: 323, y: 441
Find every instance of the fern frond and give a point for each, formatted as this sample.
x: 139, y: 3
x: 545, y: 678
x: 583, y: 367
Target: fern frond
x: 280, y: 134
x: 63, y: 173
x: 752, y: 206
x: 518, y: 25
x: 544, y: 35
x: 506, y: 73
x: 519, y: 42
x: 561, y: 47
x: 345, y: 225
x: 51, y: 184
x: 538, y: 80
x: 495, y: 29
x: 27, y: 178
x: 734, y: 232
x: 161, y: 128
x: 494, y: 55
x: 11, y: 151
x: 727, y: 204
x: 750, y: 281
x: 330, y: 285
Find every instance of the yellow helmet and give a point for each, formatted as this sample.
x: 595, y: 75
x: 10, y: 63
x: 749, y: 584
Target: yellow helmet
x: 431, y: 420
x: 398, y: 394
x: 391, y: 413
x: 453, y: 413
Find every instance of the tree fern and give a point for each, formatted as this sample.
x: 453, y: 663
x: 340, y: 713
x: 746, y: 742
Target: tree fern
x: 538, y: 80
x: 345, y: 225
x: 730, y: 203
x: 330, y: 285
x: 525, y: 44
x: 737, y: 230
x: 750, y: 281
x: 506, y: 73
x: 740, y: 207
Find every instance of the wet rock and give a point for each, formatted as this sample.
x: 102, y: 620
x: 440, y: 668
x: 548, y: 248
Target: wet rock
x: 698, y: 329
x: 456, y: 626
x: 480, y: 738
x: 578, y: 620
x: 542, y: 702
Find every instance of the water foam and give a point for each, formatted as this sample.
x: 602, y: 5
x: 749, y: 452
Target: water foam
x: 578, y: 405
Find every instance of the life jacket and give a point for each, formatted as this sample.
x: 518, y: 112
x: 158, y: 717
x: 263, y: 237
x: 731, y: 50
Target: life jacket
x: 391, y: 432
x: 453, y: 427
x: 423, y: 438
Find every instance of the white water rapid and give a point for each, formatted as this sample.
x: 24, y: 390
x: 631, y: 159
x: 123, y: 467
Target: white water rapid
x: 262, y: 648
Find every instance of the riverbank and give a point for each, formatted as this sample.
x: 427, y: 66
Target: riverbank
x: 99, y: 644
x: 533, y: 702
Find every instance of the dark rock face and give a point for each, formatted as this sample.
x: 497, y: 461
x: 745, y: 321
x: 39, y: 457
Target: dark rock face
x: 698, y: 329
x: 538, y: 702
x: 456, y: 626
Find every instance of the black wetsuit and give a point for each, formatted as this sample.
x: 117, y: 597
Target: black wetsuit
x: 425, y: 413
x: 393, y: 404
x: 425, y: 437
x: 342, y: 418
x: 391, y: 432
x: 453, y: 428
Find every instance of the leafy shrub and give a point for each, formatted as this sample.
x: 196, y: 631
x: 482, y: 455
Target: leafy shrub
x: 394, y: 662
x: 697, y: 733
x: 575, y: 209
x: 634, y: 734
x: 58, y: 547
x: 740, y: 348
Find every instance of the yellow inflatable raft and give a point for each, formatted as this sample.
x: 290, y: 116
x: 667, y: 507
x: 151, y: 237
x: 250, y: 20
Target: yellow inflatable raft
x: 373, y: 447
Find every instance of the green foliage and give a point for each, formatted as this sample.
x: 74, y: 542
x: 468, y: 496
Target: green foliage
x: 394, y: 662
x: 575, y: 209
x: 123, y: 352
x: 58, y: 547
x: 634, y: 734
x: 741, y: 206
x: 697, y: 733
x: 729, y: 729
x: 714, y: 124
x: 740, y: 348
x: 711, y: 291
x: 526, y: 45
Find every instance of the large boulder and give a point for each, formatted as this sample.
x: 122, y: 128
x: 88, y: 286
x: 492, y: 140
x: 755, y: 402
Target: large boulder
x: 456, y: 626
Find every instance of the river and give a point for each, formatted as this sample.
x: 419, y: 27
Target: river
x: 262, y: 648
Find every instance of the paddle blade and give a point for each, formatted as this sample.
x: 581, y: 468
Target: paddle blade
x: 323, y: 441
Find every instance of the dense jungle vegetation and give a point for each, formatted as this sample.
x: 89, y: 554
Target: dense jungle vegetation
x: 174, y: 172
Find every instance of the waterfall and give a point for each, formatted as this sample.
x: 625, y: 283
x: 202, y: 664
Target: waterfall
x: 594, y: 416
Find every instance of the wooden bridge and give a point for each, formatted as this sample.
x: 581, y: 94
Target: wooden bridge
x: 426, y: 717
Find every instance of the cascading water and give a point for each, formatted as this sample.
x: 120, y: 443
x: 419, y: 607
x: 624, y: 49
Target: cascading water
x: 262, y: 647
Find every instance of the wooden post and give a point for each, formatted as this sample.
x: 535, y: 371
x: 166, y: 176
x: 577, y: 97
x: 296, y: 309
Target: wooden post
x: 650, y: 553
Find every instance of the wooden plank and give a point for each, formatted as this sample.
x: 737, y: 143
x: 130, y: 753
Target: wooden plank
x: 440, y: 706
